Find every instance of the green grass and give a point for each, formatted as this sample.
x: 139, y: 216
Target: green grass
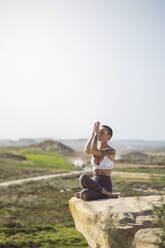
x: 37, y: 163
x: 40, y: 160
x: 60, y: 236
x: 48, y: 161
x: 36, y: 214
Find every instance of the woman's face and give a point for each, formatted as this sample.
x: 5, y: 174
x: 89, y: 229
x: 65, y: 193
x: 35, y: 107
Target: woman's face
x: 103, y: 135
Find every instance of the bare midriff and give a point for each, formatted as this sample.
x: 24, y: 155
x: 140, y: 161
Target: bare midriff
x: 102, y: 172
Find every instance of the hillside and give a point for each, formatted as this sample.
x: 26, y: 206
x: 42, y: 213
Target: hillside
x: 142, y: 158
x: 53, y: 146
x: 121, y: 145
x: 47, y: 157
x: 7, y: 155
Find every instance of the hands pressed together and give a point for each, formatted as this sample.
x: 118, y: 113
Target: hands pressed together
x: 96, y: 127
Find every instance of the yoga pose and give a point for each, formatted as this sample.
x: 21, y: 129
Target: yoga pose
x: 100, y: 185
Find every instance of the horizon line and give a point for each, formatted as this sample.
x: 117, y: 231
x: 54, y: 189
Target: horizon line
x: 129, y: 139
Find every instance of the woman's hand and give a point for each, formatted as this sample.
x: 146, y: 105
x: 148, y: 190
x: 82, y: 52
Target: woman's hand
x: 96, y: 127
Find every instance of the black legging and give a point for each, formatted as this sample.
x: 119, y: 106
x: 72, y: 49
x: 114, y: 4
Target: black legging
x: 92, y: 187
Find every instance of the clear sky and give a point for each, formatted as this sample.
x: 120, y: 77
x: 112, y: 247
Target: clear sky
x: 65, y: 64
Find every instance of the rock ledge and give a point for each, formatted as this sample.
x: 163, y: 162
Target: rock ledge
x: 102, y: 221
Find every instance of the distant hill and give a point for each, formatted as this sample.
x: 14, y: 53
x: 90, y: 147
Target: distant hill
x: 19, y: 142
x: 7, y: 155
x: 43, y: 143
x: 53, y: 146
x: 142, y: 158
x: 121, y: 146
x: 76, y: 144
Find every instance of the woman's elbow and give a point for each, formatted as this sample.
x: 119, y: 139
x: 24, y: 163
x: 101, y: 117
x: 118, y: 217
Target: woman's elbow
x: 87, y: 151
x: 93, y: 150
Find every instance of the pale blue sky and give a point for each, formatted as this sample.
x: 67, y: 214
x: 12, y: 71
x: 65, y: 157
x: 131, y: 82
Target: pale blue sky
x: 66, y: 64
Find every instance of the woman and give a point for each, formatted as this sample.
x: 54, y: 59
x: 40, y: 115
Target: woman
x: 100, y: 186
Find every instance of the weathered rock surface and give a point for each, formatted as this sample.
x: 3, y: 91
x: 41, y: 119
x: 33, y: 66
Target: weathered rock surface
x: 147, y: 238
x: 107, y: 221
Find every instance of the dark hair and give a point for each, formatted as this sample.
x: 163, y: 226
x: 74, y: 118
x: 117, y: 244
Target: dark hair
x: 109, y: 130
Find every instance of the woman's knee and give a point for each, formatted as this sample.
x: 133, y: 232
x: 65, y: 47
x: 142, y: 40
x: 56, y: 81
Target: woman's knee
x: 88, y: 194
x: 84, y: 194
x: 83, y: 178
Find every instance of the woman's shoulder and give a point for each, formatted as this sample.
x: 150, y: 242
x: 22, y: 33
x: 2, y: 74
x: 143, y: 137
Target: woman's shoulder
x: 111, y: 156
x: 111, y: 149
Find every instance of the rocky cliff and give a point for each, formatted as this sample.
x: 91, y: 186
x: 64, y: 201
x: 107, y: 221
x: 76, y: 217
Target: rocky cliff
x: 109, y: 223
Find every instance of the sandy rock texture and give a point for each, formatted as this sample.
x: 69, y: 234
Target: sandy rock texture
x: 147, y: 238
x: 107, y: 223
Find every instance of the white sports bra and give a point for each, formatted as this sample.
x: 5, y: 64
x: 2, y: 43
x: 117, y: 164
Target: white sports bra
x: 106, y: 163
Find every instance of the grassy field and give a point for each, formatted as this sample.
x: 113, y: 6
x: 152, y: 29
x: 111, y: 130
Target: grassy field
x: 38, y: 159
x: 37, y: 163
x: 36, y: 214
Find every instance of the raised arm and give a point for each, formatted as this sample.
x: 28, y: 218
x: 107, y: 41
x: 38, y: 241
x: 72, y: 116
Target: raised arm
x: 100, y: 152
x: 88, y: 144
x: 94, y: 150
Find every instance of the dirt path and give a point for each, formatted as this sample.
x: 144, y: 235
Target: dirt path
x: 19, y: 181
x: 114, y: 174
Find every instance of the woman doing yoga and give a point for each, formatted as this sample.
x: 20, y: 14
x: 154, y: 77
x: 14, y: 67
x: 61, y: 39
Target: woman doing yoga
x: 100, y: 185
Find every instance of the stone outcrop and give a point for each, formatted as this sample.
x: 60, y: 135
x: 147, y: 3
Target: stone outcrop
x: 107, y: 223
x: 148, y: 238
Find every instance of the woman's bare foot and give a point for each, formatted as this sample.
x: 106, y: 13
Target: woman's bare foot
x: 110, y: 195
x: 77, y: 194
x: 113, y: 195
